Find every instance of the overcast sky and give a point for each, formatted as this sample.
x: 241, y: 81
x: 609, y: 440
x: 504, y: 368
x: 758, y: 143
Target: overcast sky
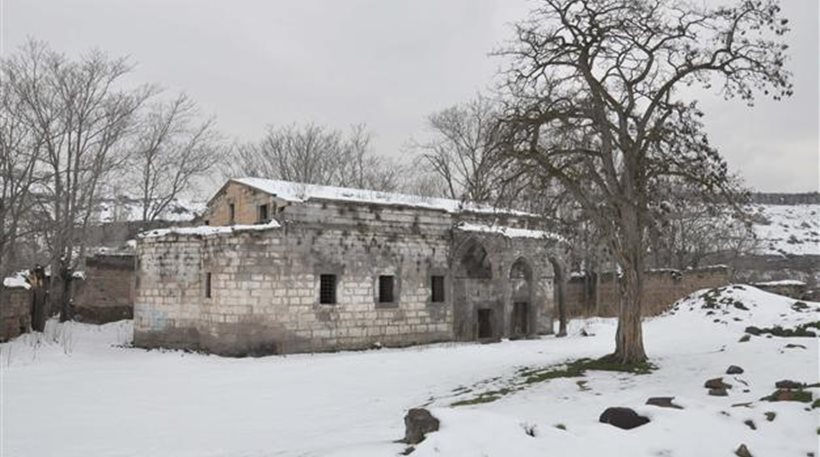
x: 385, y: 63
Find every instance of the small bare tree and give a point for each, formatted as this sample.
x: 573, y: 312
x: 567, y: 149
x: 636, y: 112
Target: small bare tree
x: 79, y: 117
x: 465, y: 152
x: 594, y: 100
x: 314, y: 154
x: 173, y: 147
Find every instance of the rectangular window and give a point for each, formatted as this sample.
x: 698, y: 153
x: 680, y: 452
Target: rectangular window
x: 231, y: 212
x: 207, y: 285
x: 386, y: 292
x: 263, y: 214
x: 327, y: 289
x: 437, y: 288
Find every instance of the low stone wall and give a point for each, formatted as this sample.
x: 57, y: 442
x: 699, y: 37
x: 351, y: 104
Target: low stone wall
x: 767, y: 268
x: 107, y: 293
x: 662, y: 288
x: 788, y: 288
x: 15, y: 318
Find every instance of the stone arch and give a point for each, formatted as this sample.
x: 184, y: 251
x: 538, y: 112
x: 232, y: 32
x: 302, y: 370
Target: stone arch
x: 522, y: 312
x: 476, y: 314
x: 473, y: 260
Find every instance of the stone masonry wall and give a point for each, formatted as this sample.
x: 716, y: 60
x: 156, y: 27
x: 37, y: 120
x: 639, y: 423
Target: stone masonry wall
x: 662, y: 288
x: 169, y: 292
x: 107, y: 294
x: 246, y: 201
x: 15, y: 308
x: 265, y: 286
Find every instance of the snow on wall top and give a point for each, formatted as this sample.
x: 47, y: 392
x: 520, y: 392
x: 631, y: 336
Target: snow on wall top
x: 300, y: 192
x: 207, y: 230
x: 18, y: 281
x: 783, y: 282
x: 509, y: 232
x: 788, y: 229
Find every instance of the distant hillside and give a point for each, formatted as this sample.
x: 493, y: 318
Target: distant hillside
x: 769, y: 198
x: 788, y: 229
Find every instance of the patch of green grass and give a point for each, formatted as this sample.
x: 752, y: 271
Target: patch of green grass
x: 579, y: 368
x: 611, y: 363
x: 573, y: 369
x: 485, y: 397
x: 802, y: 330
x: 816, y: 404
x: 800, y: 395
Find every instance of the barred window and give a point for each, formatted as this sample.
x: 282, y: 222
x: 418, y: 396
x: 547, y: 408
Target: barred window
x: 386, y: 289
x: 437, y: 286
x: 327, y: 289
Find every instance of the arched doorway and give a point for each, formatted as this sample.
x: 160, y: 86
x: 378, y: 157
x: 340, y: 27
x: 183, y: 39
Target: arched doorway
x: 521, y: 298
x: 474, y: 301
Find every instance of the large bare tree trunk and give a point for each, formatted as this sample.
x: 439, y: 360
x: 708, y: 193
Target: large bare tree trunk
x: 39, y: 299
x: 629, y: 336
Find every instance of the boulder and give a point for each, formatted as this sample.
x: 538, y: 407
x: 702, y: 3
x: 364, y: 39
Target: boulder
x: 770, y: 415
x: 744, y: 338
x: 743, y: 451
x: 716, y: 383
x: 417, y: 423
x: 624, y: 418
x: 734, y: 369
x: 750, y: 423
x: 663, y: 402
x: 789, y: 384
x: 718, y: 392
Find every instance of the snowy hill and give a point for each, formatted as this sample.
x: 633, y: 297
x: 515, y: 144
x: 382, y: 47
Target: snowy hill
x: 130, y: 402
x: 788, y: 229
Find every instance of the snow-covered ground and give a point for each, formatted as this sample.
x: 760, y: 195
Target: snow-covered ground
x: 788, y: 229
x: 78, y: 390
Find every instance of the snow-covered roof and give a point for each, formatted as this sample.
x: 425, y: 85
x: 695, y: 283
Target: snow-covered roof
x: 783, y: 282
x: 207, y: 230
x: 300, y: 192
x: 509, y: 232
x: 18, y: 281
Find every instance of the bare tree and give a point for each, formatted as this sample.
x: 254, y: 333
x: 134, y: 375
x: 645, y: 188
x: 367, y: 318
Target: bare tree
x: 316, y: 155
x: 465, y: 151
x: 79, y: 117
x: 594, y: 101
x: 18, y: 157
x: 690, y: 231
x: 173, y: 147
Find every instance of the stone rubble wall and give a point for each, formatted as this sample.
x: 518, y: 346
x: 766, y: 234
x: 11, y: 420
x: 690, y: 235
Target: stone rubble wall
x: 15, y: 309
x: 107, y: 293
x: 662, y: 288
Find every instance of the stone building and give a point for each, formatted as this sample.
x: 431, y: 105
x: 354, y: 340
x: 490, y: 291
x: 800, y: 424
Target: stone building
x: 283, y: 267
